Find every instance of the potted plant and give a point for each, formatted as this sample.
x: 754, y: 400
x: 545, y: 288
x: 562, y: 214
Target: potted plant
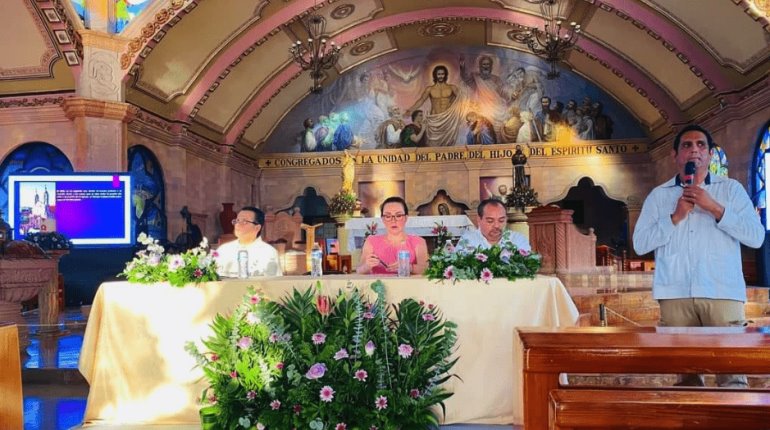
x: 342, y: 205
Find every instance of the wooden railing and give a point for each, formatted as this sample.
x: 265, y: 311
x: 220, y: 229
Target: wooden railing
x: 11, y: 406
x: 643, y: 350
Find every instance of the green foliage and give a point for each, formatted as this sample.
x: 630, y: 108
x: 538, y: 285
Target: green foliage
x: 498, y: 261
x: 321, y: 362
x: 151, y: 265
x: 342, y: 203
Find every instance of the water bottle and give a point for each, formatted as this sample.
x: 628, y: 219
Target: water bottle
x: 316, y: 261
x: 404, y: 264
x: 243, y: 264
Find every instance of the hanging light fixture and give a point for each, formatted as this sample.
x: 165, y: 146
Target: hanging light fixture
x: 318, y: 53
x: 555, y: 39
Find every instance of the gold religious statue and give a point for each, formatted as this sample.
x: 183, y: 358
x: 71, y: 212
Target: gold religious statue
x: 348, y: 172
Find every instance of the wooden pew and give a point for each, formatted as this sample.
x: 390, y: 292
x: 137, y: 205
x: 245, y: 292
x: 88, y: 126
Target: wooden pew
x: 11, y: 402
x: 623, y: 350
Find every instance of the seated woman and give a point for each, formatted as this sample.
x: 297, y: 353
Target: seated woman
x: 380, y: 253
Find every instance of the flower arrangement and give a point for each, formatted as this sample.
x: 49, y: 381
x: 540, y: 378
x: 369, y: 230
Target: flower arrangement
x: 342, y: 203
x: 152, y: 264
x: 441, y: 232
x: 371, y: 229
x: 521, y: 197
x: 49, y: 240
x: 320, y: 362
x: 465, y: 262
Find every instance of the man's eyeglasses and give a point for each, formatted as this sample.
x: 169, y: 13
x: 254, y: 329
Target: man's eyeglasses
x: 243, y: 221
x: 397, y: 217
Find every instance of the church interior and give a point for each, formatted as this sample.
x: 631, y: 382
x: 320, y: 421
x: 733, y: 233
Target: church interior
x: 181, y: 112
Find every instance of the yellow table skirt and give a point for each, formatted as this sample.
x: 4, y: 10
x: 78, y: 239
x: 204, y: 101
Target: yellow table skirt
x: 134, y: 359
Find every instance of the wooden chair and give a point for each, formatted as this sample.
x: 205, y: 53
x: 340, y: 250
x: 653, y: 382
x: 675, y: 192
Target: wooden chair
x: 11, y: 401
x: 640, y: 350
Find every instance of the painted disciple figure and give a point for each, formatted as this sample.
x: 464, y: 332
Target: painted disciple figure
x: 526, y: 89
x: 389, y: 132
x: 414, y: 133
x: 348, y: 172
x: 528, y: 131
x: 512, y: 125
x: 480, y: 130
x: 308, y: 137
x: 445, y: 115
x: 343, y: 135
x: 323, y: 137
x: 487, y: 90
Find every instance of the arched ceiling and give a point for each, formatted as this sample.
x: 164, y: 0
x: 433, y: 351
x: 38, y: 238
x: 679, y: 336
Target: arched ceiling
x: 222, y: 68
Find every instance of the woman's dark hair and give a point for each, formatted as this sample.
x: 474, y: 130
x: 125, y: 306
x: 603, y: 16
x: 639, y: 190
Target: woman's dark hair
x: 394, y: 199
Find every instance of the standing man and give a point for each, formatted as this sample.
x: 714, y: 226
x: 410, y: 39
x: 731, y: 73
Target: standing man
x: 492, y: 229
x: 263, y: 258
x: 696, y: 223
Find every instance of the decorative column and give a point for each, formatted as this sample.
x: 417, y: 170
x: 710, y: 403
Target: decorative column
x: 99, y: 113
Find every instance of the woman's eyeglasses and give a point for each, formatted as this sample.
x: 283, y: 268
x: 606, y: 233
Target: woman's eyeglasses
x: 243, y: 221
x: 397, y: 217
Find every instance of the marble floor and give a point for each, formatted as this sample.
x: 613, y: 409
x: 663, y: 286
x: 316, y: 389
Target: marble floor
x: 54, y: 391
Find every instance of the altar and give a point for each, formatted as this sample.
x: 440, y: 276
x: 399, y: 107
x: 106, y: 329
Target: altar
x: 134, y: 359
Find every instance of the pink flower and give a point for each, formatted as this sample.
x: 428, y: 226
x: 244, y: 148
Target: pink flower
x: 233, y: 374
x: 251, y: 395
x: 381, y: 403
x: 316, y: 371
x: 431, y: 306
x: 318, y: 338
x: 279, y: 365
x: 481, y: 257
x: 428, y: 317
x: 297, y: 409
x: 323, y: 304
x: 198, y: 273
x: 369, y: 348
x: 449, y: 273
x: 213, y: 399
x: 214, y: 254
x: 342, y: 353
x: 341, y: 426
x: 275, y: 405
x: 405, y: 350
x: 524, y: 252
x: 373, y: 427
x: 326, y: 394
x: 486, y: 275
x: 367, y: 315
x: 260, y: 426
x: 360, y: 375
x: 245, y: 342
x: 214, y: 357
x: 255, y: 299
x: 421, y: 302
x: 414, y: 393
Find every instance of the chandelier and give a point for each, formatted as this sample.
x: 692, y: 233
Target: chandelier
x: 555, y: 39
x: 318, y: 53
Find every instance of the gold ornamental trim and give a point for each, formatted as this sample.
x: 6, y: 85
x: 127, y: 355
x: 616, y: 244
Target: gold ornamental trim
x: 77, y: 107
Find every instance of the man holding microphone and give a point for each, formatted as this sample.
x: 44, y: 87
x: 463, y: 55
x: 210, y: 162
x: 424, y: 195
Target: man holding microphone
x: 695, y: 223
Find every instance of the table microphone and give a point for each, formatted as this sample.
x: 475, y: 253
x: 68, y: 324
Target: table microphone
x: 689, y: 173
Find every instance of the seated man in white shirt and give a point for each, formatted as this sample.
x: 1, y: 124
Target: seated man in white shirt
x: 263, y: 258
x: 491, y: 229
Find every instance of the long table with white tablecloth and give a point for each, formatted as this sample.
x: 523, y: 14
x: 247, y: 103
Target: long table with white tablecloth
x: 133, y: 353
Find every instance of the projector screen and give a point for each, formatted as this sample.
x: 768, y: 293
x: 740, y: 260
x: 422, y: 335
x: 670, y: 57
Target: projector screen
x: 89, y: 208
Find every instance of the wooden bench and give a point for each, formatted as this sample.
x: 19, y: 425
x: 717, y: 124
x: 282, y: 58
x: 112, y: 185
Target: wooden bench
x: 639, y: 350
x: 11, y: 402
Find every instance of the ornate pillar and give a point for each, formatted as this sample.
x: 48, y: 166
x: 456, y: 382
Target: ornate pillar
x: 99, y: 114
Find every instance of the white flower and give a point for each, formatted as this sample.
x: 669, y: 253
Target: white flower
x: 175, y: 262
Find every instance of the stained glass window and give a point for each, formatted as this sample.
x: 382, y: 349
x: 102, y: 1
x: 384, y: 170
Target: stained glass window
x: 718, y: 165
x: 761, y: 158
x: 33, y: 157
x: 126, y: 11
x: 80, y: 9
x: 149, y: 195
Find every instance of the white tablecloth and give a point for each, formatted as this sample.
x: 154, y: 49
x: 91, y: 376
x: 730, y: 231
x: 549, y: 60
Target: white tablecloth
x: 134, y: 360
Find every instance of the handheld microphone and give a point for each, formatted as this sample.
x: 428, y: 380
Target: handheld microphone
x: 689, y: 173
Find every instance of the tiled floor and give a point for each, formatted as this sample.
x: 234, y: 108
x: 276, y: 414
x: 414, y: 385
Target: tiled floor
x: 55, y: 393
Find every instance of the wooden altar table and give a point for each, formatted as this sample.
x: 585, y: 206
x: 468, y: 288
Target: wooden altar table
x: 133, y: 353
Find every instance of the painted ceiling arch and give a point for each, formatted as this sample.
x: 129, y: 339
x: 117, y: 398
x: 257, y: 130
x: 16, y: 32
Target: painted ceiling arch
x: 222, y: 70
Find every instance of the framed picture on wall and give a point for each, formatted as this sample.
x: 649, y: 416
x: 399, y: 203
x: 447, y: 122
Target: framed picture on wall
x: 372, y: 194
x: 495, y: 187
